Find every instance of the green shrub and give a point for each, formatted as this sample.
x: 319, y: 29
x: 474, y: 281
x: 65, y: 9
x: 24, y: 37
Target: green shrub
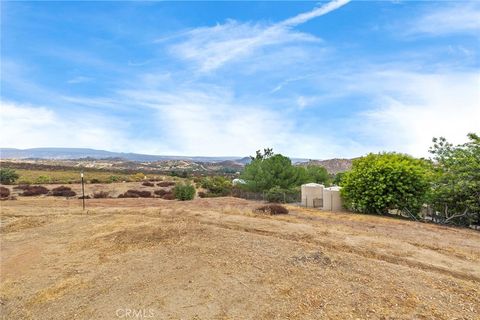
x: 217, y: 186
x: 114, y: 179
x: 277, y: 194
x: 378, y: 183
x: 184, y: 192
x: 8, y: 176
x: 43, y: 180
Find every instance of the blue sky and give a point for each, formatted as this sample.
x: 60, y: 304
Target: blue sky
x: 310, y: 79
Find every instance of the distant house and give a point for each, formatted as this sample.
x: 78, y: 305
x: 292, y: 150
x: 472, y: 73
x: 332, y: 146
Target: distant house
x: 238, y: 181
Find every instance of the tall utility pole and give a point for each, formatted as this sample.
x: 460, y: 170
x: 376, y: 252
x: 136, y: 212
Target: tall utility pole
x: 83, y: 191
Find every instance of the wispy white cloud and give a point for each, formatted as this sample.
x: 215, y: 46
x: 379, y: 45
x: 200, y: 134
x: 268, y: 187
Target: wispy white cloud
x: 197, y: 122
x: 37, y: 126
x: 287, y: 81
x: 79, y: 79
x: 315, y: 13
x: 406, y: 109
x: 459, y: 17
x: 410, y: 109
x: 138, y: 63
x: 204, y: 122
x: 212, y: 47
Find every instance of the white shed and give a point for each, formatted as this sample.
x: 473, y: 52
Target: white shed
x: 238, y: 181
x: 332, y: 201
x: 312, y: 195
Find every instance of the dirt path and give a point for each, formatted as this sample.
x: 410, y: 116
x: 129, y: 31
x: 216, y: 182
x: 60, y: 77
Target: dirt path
x: 215, y: 259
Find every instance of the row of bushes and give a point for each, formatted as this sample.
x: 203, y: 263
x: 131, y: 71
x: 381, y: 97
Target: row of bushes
x: 29, y: 191
x: 166, y: 195
x: 68, y: 176
x: 160, y: 184
x: 180, y: 192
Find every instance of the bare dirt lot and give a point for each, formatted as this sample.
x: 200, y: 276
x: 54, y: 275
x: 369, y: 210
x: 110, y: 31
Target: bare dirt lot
x: 215, y: 259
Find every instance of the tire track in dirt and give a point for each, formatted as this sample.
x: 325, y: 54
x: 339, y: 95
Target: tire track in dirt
x: 306, y: 238
x: 347, y: 249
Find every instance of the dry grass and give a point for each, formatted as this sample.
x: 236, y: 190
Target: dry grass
x: 272, y: 209
x: 57, y: 290
x: 216, y: 259
x: 72, y: 176
x: 21, y: 223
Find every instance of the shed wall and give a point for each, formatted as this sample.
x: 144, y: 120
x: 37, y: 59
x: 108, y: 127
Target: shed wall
x: 312, y: 195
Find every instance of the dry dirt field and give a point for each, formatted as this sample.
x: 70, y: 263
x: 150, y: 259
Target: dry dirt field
x: 215, y: 259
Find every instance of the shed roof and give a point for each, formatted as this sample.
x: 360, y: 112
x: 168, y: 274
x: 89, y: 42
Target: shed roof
x: 312, y: 185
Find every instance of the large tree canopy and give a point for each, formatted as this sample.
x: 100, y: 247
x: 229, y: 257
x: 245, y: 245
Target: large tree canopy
x: 378, y: 183
x: 273, y: 171
x: 268, y: 170
x: 456, y: 184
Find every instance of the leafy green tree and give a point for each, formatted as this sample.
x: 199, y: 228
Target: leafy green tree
x: 317, y: 174
x: 378, y: 183
x: 337, y: 178
x: 184, y: 192
x: 267, y: 171
x: 456, y: 184
x: 267, y: 153
x: 8, y: 176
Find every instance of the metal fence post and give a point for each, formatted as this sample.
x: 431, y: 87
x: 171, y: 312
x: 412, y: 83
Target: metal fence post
x: 83, y: 191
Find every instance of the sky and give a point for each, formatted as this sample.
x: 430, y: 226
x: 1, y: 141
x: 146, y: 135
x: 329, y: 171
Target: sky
x: 314, y: 80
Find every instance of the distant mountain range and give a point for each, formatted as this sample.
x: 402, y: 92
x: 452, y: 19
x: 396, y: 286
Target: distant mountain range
x: 80, y: 153
x: 332, y: 165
